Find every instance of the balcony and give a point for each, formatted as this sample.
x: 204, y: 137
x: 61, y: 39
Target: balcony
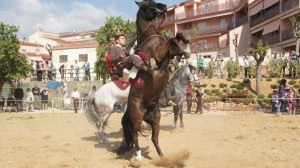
x: 287, y: 34
x: 207, y: 29
x: 205, y: 47
x: 271, y: 38
x: 205, y: 10
x: 264, y: 16
x: 289, y: 4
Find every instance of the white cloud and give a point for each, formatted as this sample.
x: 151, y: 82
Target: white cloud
x: 51, y: 17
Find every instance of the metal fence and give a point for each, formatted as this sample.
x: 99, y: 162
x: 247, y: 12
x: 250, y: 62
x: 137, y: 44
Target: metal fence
x: 210, y: 104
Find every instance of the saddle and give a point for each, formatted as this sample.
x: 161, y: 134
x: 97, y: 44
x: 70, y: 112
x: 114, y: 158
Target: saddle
x: 121, y: 84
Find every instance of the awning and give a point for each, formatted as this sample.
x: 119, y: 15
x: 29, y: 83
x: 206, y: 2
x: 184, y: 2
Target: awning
x: 256, y: 9
x: 36, y: 58
x: 257, y: 30
x: 273, y: 26
x: 268, y: 3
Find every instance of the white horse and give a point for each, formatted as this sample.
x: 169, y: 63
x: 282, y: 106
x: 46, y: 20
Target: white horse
x: 100, y: 106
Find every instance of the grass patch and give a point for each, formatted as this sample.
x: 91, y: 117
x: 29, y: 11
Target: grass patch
x: 240, y: 137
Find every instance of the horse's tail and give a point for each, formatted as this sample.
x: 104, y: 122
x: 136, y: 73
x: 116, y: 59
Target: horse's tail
x: 127, y: 142
x: 92, y: 113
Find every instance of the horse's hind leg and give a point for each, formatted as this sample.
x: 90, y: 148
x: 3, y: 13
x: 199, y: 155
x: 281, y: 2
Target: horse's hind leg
x: 175, y: 111
x: 181, y: 116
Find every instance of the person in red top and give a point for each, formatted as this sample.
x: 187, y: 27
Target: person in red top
x: 189, y: 97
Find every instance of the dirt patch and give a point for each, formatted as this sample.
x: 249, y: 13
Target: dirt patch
x: 210, y: 140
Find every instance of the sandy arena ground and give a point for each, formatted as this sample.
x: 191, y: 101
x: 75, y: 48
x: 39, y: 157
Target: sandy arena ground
x: 214, y: 139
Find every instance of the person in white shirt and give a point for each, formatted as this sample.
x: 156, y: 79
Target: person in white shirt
x: 75, y: 97
x: 29, y: 100
x: 246, y: 65
x: 77, y: 68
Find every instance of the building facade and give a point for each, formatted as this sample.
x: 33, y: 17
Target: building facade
x: 212, y: 25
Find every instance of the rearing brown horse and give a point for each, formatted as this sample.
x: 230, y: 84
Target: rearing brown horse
x: 143, y: 102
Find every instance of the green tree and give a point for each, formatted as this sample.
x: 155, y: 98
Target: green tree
x: 295, y: 20
x: 13, y: 65
x: 259, y: 55
x: 105, y: 34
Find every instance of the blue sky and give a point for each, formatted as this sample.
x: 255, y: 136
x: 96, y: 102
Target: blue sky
x: 59, y: 16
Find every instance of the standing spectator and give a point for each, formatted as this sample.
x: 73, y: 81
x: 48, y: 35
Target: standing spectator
x: 53, y: 71
x: 49, y: 70
x: 2, y: 102
x: 86, y: 67
x: 62, y: 71
x: 29, y: 100
x: 44, y: 70
x: 292, y: 67
x: 274, y: 100
x: 246, y: 65
x: 44, y: 93
x: 37, y: 97
x: 75, y: 97
x: 200, y: 64
x: 199, y: 99
x: 11, y: 104
x: 77, y: 68
x: 19, y: 95
x: 291, y: 97
x: 71, y: 71
x: 92, y: 92
x: 219, y: 61
x: 284, y: 61
x: 189, y: 96
x: 282, y: 97
x: 84, y: 95
x: 39, y: 73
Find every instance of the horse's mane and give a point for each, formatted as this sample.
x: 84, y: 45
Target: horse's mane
x: 178, y: 73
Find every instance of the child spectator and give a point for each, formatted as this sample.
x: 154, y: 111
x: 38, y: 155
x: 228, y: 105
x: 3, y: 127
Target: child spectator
x: 44, y: 93
x: 199, y: 99
x: 274, y: 101
x: 29, y: 98
x: 291, y: 98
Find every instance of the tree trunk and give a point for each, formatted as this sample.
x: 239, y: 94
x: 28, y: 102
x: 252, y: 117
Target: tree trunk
x: 258, y: 80
x: 297, y: 45
x: 237, y: 56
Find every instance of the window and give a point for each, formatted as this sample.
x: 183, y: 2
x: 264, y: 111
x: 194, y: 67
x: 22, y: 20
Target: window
x: 206, y: 56
x: 83, y: 57
x: 63, y: 58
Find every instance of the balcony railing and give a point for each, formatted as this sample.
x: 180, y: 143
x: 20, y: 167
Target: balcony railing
x: 207, y: 29
x: 241, y: 21
x: 289, y: 4
x: 287, y: 34
x: 205, y: 47
x: 264, y: 16
x: 271, y: 38
x: 205, y: 10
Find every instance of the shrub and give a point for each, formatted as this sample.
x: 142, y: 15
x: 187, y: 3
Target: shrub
x: 224, y: 90
x: 278, y: 81
x: 297, y: 86
x: 235, y: 91
x: 206, y: 91
x: 245, y: 91
x: 222, y: 85
x: 204, y: 85
x: 274, y: 86
x: 240, y: 86
x: 261, y: 96
x: 229, y: 79
x: 246, y: 80
x: 292, y: 82
x: 213, y: 85
x: 269, y: 79
x: 232, y: 86
x: 270, y: 95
